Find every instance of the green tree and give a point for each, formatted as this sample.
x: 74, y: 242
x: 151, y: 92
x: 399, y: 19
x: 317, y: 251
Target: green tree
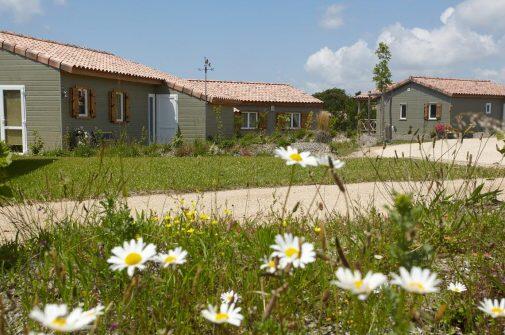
x: 343, y: 108
x: 382, y: 78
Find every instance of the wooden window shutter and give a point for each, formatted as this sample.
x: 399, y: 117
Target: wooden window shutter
x: 74, y: 102
x: 281, y: 124
x: 112, y: 106
x: 426, y: 112
x: 127, y: 112
x: 304, y: 118
x: 262, y: 120
x: 439, y: 111
x: 92, y: 103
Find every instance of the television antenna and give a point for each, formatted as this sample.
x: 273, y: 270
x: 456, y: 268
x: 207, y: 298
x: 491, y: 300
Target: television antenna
x: 207, y: 66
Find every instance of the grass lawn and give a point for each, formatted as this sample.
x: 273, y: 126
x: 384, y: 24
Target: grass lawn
x: 74, y: 177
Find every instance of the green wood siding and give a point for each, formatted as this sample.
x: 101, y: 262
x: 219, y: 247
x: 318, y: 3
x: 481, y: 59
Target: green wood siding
x: 138, y: 93
x: 415, y: 97
x: 464, y: 108
x: 42, y: 85
x: 227, y: 117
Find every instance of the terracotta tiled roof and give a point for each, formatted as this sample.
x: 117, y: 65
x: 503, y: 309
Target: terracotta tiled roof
x: 457, y: 87
x: 67, y: 57
x: 251, y: 92
x: 374, y: 94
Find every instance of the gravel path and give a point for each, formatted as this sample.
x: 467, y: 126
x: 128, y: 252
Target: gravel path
x: 483, y: 151
x: 245, y: 204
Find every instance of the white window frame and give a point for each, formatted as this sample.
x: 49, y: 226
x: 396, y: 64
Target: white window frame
x: 248, y: 125
x: 291, y: 119
x: 489, y: 108
x: 86, y: 103
x: 429, y: 111
x: 403, y: 118
x: 23, y: 128
x: 121, y: 107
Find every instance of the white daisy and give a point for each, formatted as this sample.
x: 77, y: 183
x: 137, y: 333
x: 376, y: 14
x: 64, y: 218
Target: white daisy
x: 269, y: 264
x: 330, y: 162
x: 230, y: 297
x: 494, y: 307
x: 292, y: 250
x: 457, y: 287
x: 131, y: 256
x: 417, y: 280
x: 353, y: 281
x: 292, y: 157
x: 174, y: 257
x: 227, y: 314
x: 56, y: 317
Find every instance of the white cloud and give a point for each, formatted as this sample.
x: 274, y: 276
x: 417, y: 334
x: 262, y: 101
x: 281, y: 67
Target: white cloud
x: 444, y: 46
x: 348, y: 67
x: 446, y: 15
x: 333, y: 17
x: 487, y: 15
x: 453, y: 48
x: 22, y: 10
x: 497, y: 75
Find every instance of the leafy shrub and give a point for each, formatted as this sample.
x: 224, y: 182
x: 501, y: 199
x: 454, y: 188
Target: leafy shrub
x: 184, y: 150
x: 200, y: 148
x: 5, y: 155
x: 37, y: 145
x: 322, y: 136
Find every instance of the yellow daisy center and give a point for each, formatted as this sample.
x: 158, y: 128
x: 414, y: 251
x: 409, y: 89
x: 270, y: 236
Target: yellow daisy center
x: 358, y: 284
x: 222, y: 316
x: 133, y: 258
x: 170, y: 259
x: 290, y: 252
x: 497, y: 310
x: 59, y: 321
x: 416, y: 286
x: 229, y: 298
x: 271, y: 264
x: 296, y: 157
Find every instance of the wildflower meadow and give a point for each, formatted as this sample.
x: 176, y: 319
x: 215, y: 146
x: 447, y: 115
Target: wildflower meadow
x: 421, y: 267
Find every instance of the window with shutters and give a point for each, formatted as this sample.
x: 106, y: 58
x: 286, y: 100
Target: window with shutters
x: 83, y: 102
x: 403, y: 112
x: 120, y: 106
x: 295, y: 120
x: 249, y: 120
x: 432, y: 112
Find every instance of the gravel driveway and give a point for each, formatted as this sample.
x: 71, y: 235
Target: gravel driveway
x: 483, y: 151
x: 246, y: 204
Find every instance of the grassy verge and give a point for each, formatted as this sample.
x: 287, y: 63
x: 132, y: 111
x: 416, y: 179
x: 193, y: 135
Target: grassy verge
x: 459, y: 239
x: 75, y: 177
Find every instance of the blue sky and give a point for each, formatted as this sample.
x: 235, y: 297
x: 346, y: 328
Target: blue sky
x: 312, y: 44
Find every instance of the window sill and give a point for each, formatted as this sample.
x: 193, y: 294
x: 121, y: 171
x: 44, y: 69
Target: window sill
x: 402, y: 119
x: 430, y: 119
x: 248, y: 128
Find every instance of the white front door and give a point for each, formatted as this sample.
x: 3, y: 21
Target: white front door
x: 166, y: 119
x: 13, y: 117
